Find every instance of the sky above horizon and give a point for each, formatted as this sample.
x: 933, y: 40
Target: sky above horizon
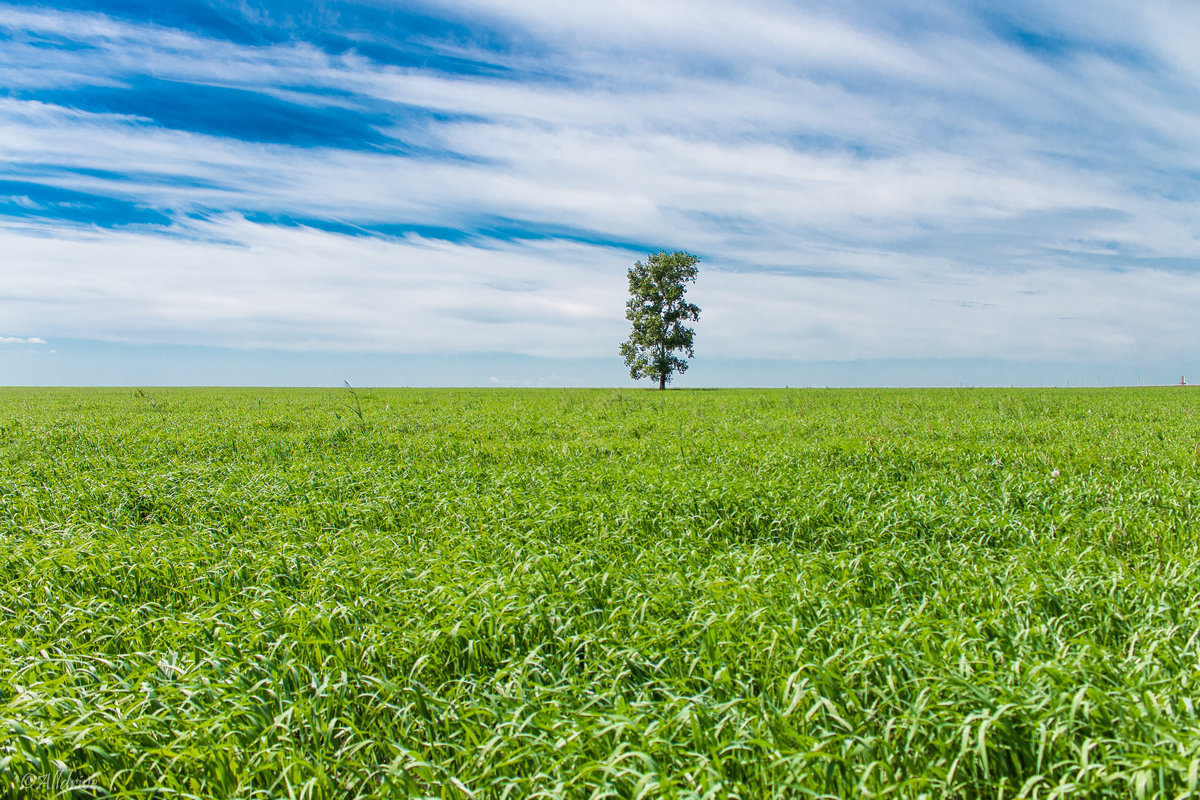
x: 450, y: 193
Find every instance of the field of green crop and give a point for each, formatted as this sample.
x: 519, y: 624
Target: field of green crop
x: 506, y: 594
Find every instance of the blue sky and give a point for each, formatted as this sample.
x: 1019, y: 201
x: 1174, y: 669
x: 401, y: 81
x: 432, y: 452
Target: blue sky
x: 904, y: 193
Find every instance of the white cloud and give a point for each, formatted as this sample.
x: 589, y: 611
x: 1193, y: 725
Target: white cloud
x: 276, y: 290
x: 19, y: 340
x: 247, y: 285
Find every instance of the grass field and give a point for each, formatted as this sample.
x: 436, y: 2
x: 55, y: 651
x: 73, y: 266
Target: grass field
x: 509, y: 594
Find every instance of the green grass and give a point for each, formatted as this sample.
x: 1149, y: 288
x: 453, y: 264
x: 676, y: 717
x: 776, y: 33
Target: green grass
x: 509, y: 594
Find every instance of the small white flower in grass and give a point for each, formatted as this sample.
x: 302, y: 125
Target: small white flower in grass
x: 1054, y: 474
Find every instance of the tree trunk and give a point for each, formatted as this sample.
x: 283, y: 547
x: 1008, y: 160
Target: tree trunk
x: 662, y: 381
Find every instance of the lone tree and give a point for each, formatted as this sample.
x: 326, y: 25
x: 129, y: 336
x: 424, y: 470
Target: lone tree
x: 658, y: 310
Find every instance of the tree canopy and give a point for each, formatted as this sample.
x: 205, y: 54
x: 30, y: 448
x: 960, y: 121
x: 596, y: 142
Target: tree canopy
x: 657, y: 311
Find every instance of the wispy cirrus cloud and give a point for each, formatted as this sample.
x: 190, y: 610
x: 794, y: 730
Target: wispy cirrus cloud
x: 862, y: 181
